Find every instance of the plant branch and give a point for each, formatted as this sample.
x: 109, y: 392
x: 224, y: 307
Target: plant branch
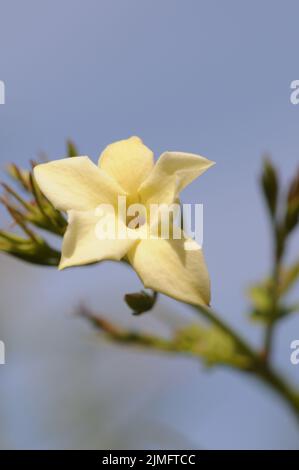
x: 124, y: 336
x: 257, y: 366
x: 262, y: 370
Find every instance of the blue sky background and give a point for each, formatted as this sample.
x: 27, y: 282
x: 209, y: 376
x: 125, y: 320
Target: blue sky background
x: 206, y: 77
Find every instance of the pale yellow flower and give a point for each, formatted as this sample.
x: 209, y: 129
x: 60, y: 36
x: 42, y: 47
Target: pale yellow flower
x: 78, y: 186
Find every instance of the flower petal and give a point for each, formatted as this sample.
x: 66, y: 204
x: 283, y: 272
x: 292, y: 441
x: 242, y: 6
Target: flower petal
x: 129, y: 162
x: 171, y: 174
x: 166, y: 266
x: 82, y: 244
x: 76, y: 183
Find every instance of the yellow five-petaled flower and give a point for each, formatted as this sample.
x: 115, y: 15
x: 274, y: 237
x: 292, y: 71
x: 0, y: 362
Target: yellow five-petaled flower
x: 126, y: 168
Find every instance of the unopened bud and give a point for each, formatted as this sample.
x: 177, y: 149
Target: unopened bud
x: 270, y: 186
x: 141, y: 302
x: 292, y: 212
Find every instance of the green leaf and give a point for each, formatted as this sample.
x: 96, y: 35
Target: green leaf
x: 259, y: 295
x: 19, y: 175
x: 262, y: 304
x: 288, y: 277
x: 34, y: 251
x: 212, y: 345
x: 287, y: 309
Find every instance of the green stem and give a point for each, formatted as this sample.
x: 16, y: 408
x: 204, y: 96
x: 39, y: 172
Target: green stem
x: 257, y: 365
x: 216, y: 320
x: 262, y: 370
x: 270, y: 327
x: 285, y: 390
x: 268, y: 341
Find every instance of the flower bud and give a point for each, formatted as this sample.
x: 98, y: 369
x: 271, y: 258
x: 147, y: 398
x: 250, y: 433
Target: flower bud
x: 140, y: 302
x: 292, y: 212
x: 270, y: 186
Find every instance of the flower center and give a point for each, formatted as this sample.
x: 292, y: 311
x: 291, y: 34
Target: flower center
x: 135, y: 221
x: 136, y: 214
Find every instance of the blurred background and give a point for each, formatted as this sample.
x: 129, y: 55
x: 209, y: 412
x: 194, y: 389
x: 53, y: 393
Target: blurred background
x: 206, y: 77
